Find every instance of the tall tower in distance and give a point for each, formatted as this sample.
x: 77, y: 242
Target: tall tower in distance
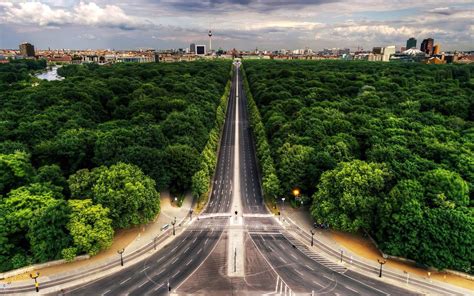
x: 210, y: 40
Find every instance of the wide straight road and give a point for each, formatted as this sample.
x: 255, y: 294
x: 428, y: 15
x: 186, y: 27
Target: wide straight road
x: 171, y: 265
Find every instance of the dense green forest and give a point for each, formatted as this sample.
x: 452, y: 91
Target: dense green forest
x: 379, y: 148
x: 89, y: 154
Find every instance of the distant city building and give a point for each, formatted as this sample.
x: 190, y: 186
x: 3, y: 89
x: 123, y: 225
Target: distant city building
x: 27, y: 49
x: 436, y: 49
x: 192, y: 48
x: 427, y: 46
x: 409, y: 55
x: 334, y: 51
x: 387, y: 52
x: 377, y: 50
x: 411, y: 43
x: 201, y: 49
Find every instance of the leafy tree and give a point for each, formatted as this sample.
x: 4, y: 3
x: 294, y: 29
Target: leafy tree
x: 47, y: 233
x: 15, y: 170
x: 182, y: 161
x: 90, y: 226
x: 445, y: 188
x: 347, y: 196
x: 128, y: 193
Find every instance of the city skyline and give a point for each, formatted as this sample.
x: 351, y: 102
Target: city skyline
x: 242, y: 24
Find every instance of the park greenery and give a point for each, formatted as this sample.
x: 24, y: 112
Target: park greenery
x: 384, y: 149
x: 87, y: 155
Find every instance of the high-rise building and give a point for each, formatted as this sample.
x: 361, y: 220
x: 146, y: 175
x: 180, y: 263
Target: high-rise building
x: 427, y: 46
x: 192, y: 48
x: 436, y: 49
x: 200, y: 49
x: 27, y: 49
x: 411, y: 43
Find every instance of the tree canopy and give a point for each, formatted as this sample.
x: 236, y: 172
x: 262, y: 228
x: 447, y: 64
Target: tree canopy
x: 383, y: 148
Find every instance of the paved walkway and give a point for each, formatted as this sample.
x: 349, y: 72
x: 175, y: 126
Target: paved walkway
x: 130, y: 239
x: 354, y: 246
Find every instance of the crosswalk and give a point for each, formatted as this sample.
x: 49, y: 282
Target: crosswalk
x: 336, y: 267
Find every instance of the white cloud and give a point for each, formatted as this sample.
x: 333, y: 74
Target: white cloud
x: 36, y: 13
x: 88, y: 14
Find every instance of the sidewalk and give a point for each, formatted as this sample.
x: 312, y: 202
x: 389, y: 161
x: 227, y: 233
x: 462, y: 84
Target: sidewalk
x: 130, y: 239
x: 355, y: 246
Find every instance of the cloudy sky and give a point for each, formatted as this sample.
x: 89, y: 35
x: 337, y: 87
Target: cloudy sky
x: 243, y: 24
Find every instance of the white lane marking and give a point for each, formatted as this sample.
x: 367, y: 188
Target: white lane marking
x: 174, y: 249
x: 293, y: 255
x: 159, y: 272
x: 327, y: 278
x: 158, y: 287
x: 307, y: 266
x: 206, y: 241
x: 142, y: 284
x: 282, y: 259
x: 106, y: 292
x: 159, y: 259
x: 351, y: 289
x: 299, y: 272
x: 176, y: 274
x: 145, y: 268
x: 174, y: 260
x: 187, y: 249
x: 125, y: 281
x: 200, y: 250
x: 189, y: 262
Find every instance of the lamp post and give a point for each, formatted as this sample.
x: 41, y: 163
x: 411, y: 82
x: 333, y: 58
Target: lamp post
x: 120, y: 252
x: 173, y: 223
x: 190, y: 214
x: 342, y: 252
x: 381, y: 262
x: 312, y: 237
x: 296, y: 193
x: 154, y: 243
x: 35, y: 276
x: 282, y: 204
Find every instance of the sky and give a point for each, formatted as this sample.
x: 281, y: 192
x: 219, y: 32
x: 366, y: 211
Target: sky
x: 241, y: 24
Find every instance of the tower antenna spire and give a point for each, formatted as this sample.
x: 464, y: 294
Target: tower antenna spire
x: 210, y: 39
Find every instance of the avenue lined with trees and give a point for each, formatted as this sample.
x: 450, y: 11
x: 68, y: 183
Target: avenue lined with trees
x: 89, y: 154
x: 378, y: 148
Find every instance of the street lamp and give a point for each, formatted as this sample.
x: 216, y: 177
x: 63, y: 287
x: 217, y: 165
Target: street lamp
x: 120, y: 252
x: 381, y: 262
x: 154, y: 242
x: 35, y: 276
x: 342, y: 252
x: 312, y: 237
x: 296, y: 192
x: 282, y: 203
x: 190, y: 214
x: 173, y: 223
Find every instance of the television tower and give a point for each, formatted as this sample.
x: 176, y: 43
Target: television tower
x: 210, y: 40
